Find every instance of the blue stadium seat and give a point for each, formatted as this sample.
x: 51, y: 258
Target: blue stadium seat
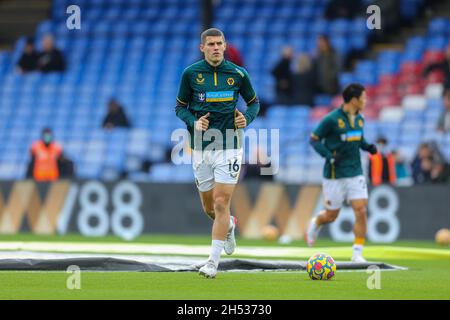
x: 319, y: 27
x: 437, y: 43
x: 339, y: 27
x: 322, y: 100
x: 439, y: 26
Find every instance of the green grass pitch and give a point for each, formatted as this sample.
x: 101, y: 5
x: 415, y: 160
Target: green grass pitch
x: 427, y: 277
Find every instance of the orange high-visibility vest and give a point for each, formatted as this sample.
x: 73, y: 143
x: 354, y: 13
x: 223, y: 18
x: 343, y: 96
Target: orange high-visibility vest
x: 376, y: 173
x: 46, y: 161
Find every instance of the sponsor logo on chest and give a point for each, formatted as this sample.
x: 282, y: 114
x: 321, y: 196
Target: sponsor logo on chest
x: 353, y: 135
x: 219, y: 96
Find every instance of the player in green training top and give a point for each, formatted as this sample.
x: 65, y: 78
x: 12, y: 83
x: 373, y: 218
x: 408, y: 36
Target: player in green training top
x: 206, y: 102
x: 338, y: 138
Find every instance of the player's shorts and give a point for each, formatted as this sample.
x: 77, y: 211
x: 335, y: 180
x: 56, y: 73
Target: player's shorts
x: 211, y: 166
x: 336, y: 191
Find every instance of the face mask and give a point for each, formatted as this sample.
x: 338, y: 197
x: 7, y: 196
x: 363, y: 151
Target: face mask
x: 47, y: 138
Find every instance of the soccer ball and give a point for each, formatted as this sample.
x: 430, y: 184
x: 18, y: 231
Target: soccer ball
x: 443, y: 237
x: 321, y: 267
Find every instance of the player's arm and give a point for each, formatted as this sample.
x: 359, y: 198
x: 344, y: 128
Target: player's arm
x: 322, y: 130
x: 371, y: 148
x: 183, y: 96
x: 249, y: 95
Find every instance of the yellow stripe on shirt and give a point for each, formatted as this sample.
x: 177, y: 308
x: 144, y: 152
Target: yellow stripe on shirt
x: 180, y: 101
x: 252, y: 99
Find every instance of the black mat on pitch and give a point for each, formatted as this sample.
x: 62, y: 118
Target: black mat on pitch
x: 86, y: 264
x: 114, y: 264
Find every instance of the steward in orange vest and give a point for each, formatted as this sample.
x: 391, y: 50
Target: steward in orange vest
x: 382, y: 166
x: 45, y: 158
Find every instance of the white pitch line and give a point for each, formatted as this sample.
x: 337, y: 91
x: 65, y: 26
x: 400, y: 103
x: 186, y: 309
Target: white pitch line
x: 204, y: 250
x: 71, y: 247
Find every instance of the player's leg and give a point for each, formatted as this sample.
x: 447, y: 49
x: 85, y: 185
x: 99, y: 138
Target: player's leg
x: 227, y: 167
x: 322, y: 218
x: 204, y: 179
x: 360, y: 228
x: 206, y: 197
x: 327, y: 216
x: 357, y: 195
x: 222, y: 198
x: 333, y: 199
x: 227, y: 164
x: 207, y: 203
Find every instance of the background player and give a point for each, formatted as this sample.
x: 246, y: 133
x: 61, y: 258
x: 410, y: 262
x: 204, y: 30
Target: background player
x: 338, y: 138
x: 207, y: 99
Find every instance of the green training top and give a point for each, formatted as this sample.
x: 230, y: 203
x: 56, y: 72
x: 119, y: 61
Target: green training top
x: 216, y: 90
x: 338, y: 134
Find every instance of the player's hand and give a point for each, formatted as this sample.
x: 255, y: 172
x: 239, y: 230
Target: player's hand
x: 202, y: 123
x: 240, y: 120
x: 372, y: 149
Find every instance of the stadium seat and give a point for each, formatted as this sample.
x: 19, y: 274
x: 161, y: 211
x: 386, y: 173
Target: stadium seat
x: 391, y: 114
x: 415, y: 102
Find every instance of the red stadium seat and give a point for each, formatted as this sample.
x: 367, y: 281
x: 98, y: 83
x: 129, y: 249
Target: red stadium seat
x: 388, y: 100
x: 386, y: 88
x: 407, y: 78
x: 432, y: 57
x: 414, y: 88
x: 371, y: 91
x: 411, y: 68
x: 388, y: 80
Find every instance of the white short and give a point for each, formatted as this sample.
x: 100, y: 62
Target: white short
x: 221, y: 166
x: 336, y: 191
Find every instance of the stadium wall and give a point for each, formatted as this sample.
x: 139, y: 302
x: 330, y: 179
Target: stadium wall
x: 129, y: 209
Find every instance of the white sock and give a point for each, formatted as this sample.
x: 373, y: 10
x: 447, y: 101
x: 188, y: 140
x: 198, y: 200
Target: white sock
x: 216, y: 250
x: 314, y: 226
x: 357, y: 249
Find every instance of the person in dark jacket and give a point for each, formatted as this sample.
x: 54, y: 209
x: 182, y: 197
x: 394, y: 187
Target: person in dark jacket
x: 50, y: 59
x: 29, y: 58
x: 304, y: 82
x: 116, y: 116
x: 283, y: 77
x: 327, y: 67
x: 443, y: 66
